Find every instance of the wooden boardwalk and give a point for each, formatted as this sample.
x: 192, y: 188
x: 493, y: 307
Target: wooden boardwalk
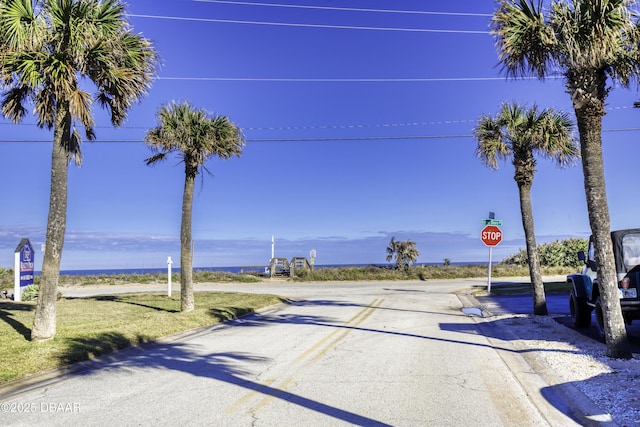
x: 278, y: 267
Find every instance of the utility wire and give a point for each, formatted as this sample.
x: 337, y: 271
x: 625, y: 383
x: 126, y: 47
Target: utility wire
x: 343, y: 80
x: 348, y: 9
x: 300, y: 140
x: 310, y: 127
x: 291, y: 24
x: 387, y: 125
x: 318, y: 139
x: 329, y: 127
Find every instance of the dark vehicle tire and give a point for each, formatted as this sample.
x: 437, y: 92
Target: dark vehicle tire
x: 580, y: 311
x: 599, y: 319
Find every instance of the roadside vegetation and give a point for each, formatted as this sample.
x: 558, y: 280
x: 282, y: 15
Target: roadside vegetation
x: 559, y: 253
x: 421, y: 272
x: 556, y: 258
x: 346, y: 273
x: 6, y: 279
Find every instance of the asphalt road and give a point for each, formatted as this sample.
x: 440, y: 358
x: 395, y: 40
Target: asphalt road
x: 374, y: 354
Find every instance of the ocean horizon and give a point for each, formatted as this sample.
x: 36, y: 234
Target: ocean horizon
x: 232, y: 269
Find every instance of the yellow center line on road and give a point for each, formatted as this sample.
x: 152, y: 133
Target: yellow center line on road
x: 372, y: 307
x: 356, y: 320
x: 248, y: 396
x: 360, y: 317
x: 337, y: 331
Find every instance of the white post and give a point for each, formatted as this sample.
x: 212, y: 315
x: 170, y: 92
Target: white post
x: 17, y: 295
x: 273, y: 247
x: 489, y: 275
x: 169, y: 262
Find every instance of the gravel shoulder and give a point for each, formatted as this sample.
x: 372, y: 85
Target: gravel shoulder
x: 568, y: 360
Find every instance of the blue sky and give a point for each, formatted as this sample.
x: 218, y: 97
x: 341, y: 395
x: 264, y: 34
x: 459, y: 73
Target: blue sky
x: 358, y: 127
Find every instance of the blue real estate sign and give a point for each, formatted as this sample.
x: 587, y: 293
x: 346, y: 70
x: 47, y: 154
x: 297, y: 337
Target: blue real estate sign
x: 24, y: 267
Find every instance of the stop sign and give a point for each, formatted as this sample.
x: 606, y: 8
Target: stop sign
x: 491, y: 235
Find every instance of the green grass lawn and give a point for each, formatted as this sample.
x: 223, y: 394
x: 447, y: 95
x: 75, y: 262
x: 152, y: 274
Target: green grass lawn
x: 88, y: 327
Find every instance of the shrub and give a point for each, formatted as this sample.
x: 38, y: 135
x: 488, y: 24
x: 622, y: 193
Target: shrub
x: 6, y: 277
x: 30, y: 293
x: 561, y: 253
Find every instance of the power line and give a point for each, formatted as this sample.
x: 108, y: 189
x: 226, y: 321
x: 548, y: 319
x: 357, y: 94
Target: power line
x: 291, y: 24
x: 348, y: 9
x: 364, y: 138
x: 329, y: 127
x: 310, y: 127
x: 361, y: 126
x: 308, y: 139
x: 342, y: 80
x: 312, y: 139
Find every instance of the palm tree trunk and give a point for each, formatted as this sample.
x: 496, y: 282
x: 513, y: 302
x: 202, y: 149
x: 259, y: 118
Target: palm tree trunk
x: 44, y: 323
x: 186, y: 256
x: 590, y: 128
x: 539, y: 298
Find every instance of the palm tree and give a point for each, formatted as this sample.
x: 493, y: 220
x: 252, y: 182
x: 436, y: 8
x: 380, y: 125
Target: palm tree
x: 587, y: 42
x: 404, y: 252
x: 519, y: 133
x: 196, y: 137
x: 49, y: 51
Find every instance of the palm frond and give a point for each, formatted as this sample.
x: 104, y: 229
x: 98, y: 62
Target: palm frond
x: 491, y: 144
x: 19, y: 26
x: 80, y: 107
x: 524, y: 40
x: 73, y: 148
x: 13, y: 103
x: 156, y: 158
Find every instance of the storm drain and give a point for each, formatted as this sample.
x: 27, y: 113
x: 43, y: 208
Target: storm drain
x: 472, y: 311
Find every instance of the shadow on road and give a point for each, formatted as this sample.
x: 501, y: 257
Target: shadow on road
x: 231, y: 367
x: 223, y: 367
x: 491, y: 329
x: 335, y: 303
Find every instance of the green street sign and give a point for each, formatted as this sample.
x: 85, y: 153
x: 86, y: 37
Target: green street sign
x: 492, y: 221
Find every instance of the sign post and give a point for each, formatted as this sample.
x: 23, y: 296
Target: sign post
x: 491, y: 236
x: 169, y: 262
x: 312, y: 255
x: 23, y: 268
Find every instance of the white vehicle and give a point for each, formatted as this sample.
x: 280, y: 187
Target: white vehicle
x: 585, y: 294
